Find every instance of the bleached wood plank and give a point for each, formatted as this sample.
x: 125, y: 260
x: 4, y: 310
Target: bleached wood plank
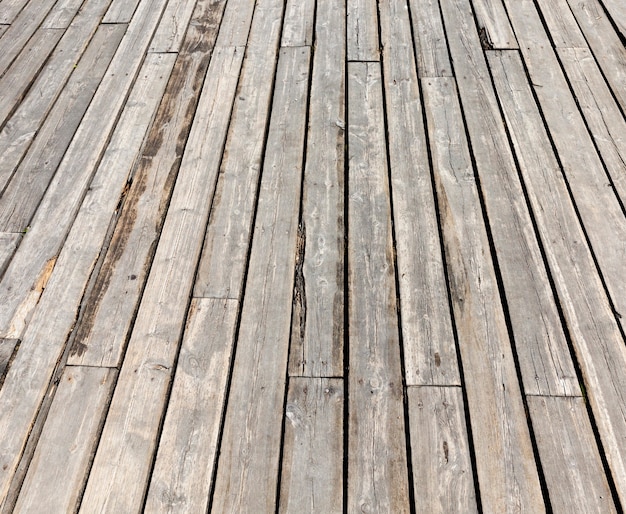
x: 247, y: 471
x: 569, y: 455
x: 541, y: 346
x: 235, y: 26
x: 377, y: 460
x: 312, y: 470
x: 63, y: 12
x: 442, y: 468
x: 61, y: 461
x: 65, y: 193
x: 506, y: 469
x: 562, y: 25
x: 3, y: 28
x: 362, y: 30
x: 112, y: 303
x: 170, y: 33
x: 122, y: 11
x: 493, y: 25
x: 8, y: 244
x: 67, y: 276
x: 430, y: 355
x: 430, y: 40
x: 9, y: 9
x: 6, y: 351
x: 317, y: 325
x: 617, y: 12
x: 594, y: 331
x: 183, y: 472
x: 298, y: 23
x: 120, y: 472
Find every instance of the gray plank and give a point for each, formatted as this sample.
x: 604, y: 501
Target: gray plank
x: 122, y: 463
x: 429, y: 348
x: 507, y: 475
x: 617, y: 12
x: 362, y: 30
x: 298, y: 23
x: 493, y: 24
x: 67, y: 276
x: 542, y: 349
x: 170, y: 33
x: 569, y: 455
x: 431, y: 48
x: 6, y: 352
x: 9, y: 9
x: 65, y: 193
x: 590, y: 319
x: 121, y: 11
x: 317, y: 334
x: 312, y: 470
x: 63, y: 12
x: 113, y: 301
x: 183, y: 471
x: 247, y: 471
x: 61, y: 461
x: 442, y: 469
x: 377, y: 460
x: 561, y: 24
x: 8, y: 244
x: 235, y: 26
x: 3, y: 28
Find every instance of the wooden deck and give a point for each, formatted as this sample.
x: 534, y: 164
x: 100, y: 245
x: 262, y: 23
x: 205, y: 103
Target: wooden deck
x: 313, y: 256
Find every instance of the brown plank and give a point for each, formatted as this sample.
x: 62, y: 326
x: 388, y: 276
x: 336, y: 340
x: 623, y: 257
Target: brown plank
x: 377, y: 460
x: 298, y: 22
x: 493, y: 25
x: 183, y: 471
x: 507, y: 473
x: 312, y: 470
x: 442, y: 469
x: 430, y: 40
x: 362, y: 30
x: 561, y: 24
x: 6, y: 352
x: 8, y: 244
x: 247, y: 471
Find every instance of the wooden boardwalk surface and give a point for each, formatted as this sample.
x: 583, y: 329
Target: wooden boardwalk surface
x: 313, y: 256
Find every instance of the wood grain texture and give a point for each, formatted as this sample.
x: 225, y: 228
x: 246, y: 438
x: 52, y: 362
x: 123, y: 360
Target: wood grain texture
x: 9, y: 9
x: 112, y: 303
x: 569, y: 455
x: 8, y: 244
x: 312, y: 467
x: 505, y: 464
x: 561, y: 24
x: 63, y: 12
x: 299, y: 20
x: 430, y: 39
x: 61, y: 461
x: 120, y: 472
x: 430, y: 355
x: 590, y: 319
x: 235, y: 26
x: 362, y: 30
x: 318, y: 314
x: 540, y: 342
x: 247, y: 471
x: 183, y: 471
x: 493, y: 25
x: 170, y: 33
x: 377, y: 460
x: 122, y: 11
x: 442, y: 468
x: 6, y: 352
x: 617, y: 13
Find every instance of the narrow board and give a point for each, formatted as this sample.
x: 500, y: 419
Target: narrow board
x: 493, y: 25
x: 6, y: 352
x: 562, y: 25
x: 569, y: 455
x: 430, y: 355
x: 318, y: 316
x: 174, y: 24
x: 443, y: 479
x: 8, y: 244
x: 377, y: 460
x: 63, y: 12
x: 122, y: 11
x: 362, y: 30
x: 247, y: 471
x: 312, y: 466
x: 235, y: 26
x: 9, y: 9
x: 183, y: 471
x: 430, y: 40
x: 299, y: 21
x: 617, y: 12
x: 540, y: 343
x: 112, y: 303
x: 70, y: 435
x: 505, y: 464
x: 120, y: 473
x: 594, y: 331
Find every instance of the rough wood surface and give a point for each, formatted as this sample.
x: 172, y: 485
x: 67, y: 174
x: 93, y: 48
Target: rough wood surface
x: 507, y: 475
x: 183, y: 471
x: 9, y: 9
x: 312, y: 467
x: 493, y: 25
x: 430, y: 40
x: 122, y: 11
x: 617, y: 13
x: 8, y: 244
x: 561, y: 24
x: 64, y: 11
x: 61, y: 461
x: 442, y: 468
x: 6, y: 351
x: 171, y: 31
x: 377, y: 460
x: 247, y: 471
x: 299, y: 20
x: 235, y: 26
x: 362, y: 30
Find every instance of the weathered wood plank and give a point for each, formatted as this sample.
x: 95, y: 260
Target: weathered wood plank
x: 507, y: 475
x: 183, y: 472
x: 430, y: 40
x: 54, y: 319
x: 377, y: 460
x: 6, y: 352
x: 542, y: 349
x: 562, y: 25
x: 312, y: 470
x: 617, y: 12
x: 593, y: 328
x: 112, y: 303
x: 170, y: 33
x: 494, y: 28
x: 63, y: 12
x: 298, y: 23
x: 569, y: 455
x: 442, y: 468
x: 3, y: 28
x: 122, y: 11
x: 247, y: 472
x: 66, y: 191
x: 362, y: 30
x: 9, y: 9
x: 61, y: 461
x: 235, y: 26
x: 430, y: 355
x: 317, y: 327
x: 119, y: 476
x: 8, y: 244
